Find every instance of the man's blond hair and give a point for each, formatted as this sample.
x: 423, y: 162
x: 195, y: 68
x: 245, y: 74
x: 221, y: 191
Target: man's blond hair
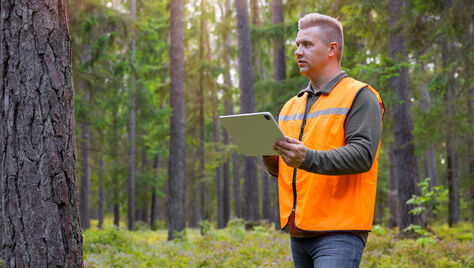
x: 331, y: 27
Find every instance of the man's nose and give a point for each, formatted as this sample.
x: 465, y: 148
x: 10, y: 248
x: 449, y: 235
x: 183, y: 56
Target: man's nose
x: 298, y: 52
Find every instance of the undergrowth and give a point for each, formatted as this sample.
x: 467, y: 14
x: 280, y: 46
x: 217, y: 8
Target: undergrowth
x: 265, y: 247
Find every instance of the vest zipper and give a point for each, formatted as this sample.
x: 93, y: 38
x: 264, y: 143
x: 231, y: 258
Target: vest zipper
x: 300, y: 139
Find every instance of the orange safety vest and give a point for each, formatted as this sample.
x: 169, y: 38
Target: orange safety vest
x: 325, y: 202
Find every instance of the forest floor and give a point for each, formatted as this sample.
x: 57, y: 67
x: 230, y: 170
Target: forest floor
x: 265, y: 247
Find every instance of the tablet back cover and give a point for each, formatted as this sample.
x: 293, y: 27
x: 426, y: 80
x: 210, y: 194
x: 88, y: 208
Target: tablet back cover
x: 253, y: 133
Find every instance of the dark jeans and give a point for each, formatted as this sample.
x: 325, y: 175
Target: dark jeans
x: 333, y: 250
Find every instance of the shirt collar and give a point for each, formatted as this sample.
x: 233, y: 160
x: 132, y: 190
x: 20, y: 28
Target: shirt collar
x: 326, y: 89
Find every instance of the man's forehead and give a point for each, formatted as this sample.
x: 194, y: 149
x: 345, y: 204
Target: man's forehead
x: 306, y: 33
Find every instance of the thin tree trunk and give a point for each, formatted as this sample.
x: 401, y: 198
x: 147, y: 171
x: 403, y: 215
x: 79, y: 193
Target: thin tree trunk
x: 38, y: 172
x: 202, y: 186
x: 266, y: 198
x: 279, y: 56
x: 392, y: 191
x: 256, y: 21
x: 406, y: 163
x: 132, y: 129
x: 236, y: 175
x: 451, y: 152
x: 228, y: 110
x: 176, y: 185
x: 430, y: 153
x: 101, y: 204
x: 155, y: 201
x: 279, y: 73
x: 117, y: 213
x: 247, y: 105
x: 470, y: 107
x: 114, y: 152
x: 215, y: 126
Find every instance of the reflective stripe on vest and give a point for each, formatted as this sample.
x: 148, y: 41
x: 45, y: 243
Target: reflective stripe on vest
x: 326, y: 202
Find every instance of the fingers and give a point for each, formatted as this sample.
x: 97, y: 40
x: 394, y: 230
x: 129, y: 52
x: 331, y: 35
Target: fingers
x: 291, y: 140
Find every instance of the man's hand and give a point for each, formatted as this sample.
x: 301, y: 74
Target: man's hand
x: 291, y: 151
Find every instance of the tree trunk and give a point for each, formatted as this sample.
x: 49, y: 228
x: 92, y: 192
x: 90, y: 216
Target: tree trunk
x: 236, y: 175
x: 215, y: 126
x: 228, y: 110
x: 451, y: 151
x: 117, y: 213
x: 202, y: 186
x: 247, y: 105
x: 132, y: 129
x: 279, y: 73
x: 406, y: 164
x: 114, y: 152
x: 37, y: 137
x: 176, y: 185
x: 256, y: 21
x: 430, y: 153
x: 279, y: 56
x: 155, y: 201
x: 392, y: 191
x: 470, y: 107
x: 266, y: 199
x: 276, y: 210
x: 101, y: 204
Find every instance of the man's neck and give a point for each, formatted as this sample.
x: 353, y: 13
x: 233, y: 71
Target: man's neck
x: 319, y: 82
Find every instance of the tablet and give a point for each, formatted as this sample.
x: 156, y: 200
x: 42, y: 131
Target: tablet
x: 253, y: 133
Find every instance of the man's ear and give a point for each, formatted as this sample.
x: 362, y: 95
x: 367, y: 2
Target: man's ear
x: 332, y: 49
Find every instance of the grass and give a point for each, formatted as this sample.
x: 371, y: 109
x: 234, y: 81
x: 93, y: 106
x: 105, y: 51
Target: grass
x: 265, y: 247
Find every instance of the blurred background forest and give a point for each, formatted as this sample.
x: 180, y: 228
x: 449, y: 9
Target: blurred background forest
x: 417, y: 54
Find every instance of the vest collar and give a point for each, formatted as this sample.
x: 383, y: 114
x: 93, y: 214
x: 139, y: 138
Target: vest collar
x: 327, y: 88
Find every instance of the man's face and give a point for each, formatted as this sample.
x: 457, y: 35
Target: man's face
x: 311, y: 52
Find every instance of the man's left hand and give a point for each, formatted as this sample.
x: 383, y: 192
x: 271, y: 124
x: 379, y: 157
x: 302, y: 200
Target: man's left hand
x: 292, y: 151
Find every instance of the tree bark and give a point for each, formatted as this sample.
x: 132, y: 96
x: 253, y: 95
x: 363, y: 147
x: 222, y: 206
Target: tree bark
x: 470, y: 107
x: 236, y: 175
x: 266, y: 198
x: 247, y: 105
x: 132, y: 129
x: 406, y: 164
x: 430, y: 153
x: 155, y: 201
x: 279, y: 73
x: 451, y: 151
x: 176, y: 185
x: 216, y: 134
x: 228, y: 110
x: 392, y: 191
x: 202, y: 186
x: 101, y: 204
x: 279, y: 56
x: 37, y: 137
x: 256, y: 21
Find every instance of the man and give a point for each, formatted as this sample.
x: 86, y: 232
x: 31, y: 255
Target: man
x: 327, y: 164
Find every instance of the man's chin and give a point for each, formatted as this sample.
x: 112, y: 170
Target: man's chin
x: 303, y: 71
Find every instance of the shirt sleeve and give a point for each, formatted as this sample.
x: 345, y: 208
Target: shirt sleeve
x: 363, y: 129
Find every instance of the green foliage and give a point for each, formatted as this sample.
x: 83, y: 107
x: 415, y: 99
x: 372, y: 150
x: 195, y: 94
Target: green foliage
x: 379, y: 230
x: 442, y: 250
x: 429, y: 198
x: 158, y: 224
x: 265, y: 247
x: 425, y: 237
